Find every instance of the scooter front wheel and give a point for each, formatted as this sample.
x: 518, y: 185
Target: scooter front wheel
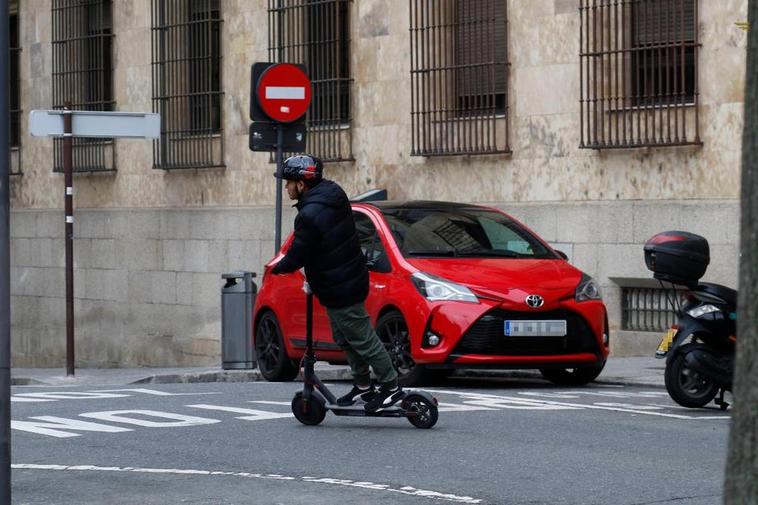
x: 310, y: 412
x: 420, y: 412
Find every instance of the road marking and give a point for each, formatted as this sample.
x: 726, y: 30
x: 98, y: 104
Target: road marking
x: 15, y: 399
x: 510, y: 402
x: 153, y: 392
x: 266, y: 402
x: 405, y: 490
x: 54, y: 426
x: 175, y: 420
x: 253, y: 415
x: 74, y: 395
x: 457, y: 407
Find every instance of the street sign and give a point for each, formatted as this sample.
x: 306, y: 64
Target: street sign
x: 68, y: 124
x: 263, y: 137
x: 103, y: 124
x: 284, y: 92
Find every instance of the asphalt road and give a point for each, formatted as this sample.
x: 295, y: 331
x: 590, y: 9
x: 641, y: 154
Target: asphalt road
x: 497, y: 442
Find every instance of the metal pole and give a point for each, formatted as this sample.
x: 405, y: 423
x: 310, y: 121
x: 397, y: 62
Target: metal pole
x: 279, y: 171
x: 5, y: 263
x: 68, y: 162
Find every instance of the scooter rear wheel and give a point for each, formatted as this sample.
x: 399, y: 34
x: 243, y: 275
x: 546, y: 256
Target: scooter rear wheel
x: 309, y: 413
x: 421, y: 412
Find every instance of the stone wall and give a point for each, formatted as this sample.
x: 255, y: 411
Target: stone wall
x: 148, y: 291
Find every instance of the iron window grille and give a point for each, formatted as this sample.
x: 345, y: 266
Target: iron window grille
x: 83, y: 75
x: 187, y: 88
x: 15, y: 96
x: 649, y: 309
x: 639, y: 73
x: 316, y: 33
x: 459, y: 77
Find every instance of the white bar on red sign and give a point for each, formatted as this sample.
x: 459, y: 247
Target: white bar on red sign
x: 285, y: 93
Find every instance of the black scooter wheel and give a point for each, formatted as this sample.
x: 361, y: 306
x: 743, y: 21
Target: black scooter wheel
x: 310, y: 412
x: 687, y: 387
x: 420, y: 412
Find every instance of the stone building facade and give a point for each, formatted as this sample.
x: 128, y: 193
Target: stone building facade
x: 154, y: 232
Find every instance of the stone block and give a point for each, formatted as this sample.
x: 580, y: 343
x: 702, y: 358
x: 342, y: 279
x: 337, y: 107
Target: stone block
x: 140, y: 288
x: 631, y: 343
x: 174, y: 224
x: 533, y: 84
x: 184, y: 288
x: 174, y: 255
x: 218, y: 256
x: 116, y: 285
x: 20, y: 251
x: 621, y: 260
x: 206, y: 290
x: 196, y: 255
x: 585, y: 258
x: 141, y: 254
x: 163, y: 287
x: 104, y: 254
x: 653, y: 217
x: 50, y: 224
x: 718, y: 222
x: 23, y: 224
x: 94, y: 285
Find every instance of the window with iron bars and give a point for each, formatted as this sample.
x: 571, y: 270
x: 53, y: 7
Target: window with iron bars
x: 15, y: 93
x: 316, y: 33
x: 83, y: 75
x: 459, y: 77
x: 649, y: 309
x: 638, y: 73
x: 187, y: 92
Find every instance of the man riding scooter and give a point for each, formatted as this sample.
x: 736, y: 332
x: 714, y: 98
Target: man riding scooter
x: 326, y: 244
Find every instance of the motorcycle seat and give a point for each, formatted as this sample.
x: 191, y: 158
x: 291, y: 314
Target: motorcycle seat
x: 727, y: 294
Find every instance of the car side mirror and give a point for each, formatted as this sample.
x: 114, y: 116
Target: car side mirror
x: 562, y: 254
x: 377, y: 261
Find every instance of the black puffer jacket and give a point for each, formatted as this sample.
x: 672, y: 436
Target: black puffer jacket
x: 326, y: 244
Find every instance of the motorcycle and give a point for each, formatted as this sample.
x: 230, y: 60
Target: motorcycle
x: 700, y: 348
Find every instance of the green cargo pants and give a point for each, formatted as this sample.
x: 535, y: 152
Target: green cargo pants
x: 352, y: 331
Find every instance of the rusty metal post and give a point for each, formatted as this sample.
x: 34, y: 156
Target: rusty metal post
x: 68, y: 163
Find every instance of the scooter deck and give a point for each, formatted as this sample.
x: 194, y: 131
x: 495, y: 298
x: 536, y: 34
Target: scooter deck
x: 358, y: 410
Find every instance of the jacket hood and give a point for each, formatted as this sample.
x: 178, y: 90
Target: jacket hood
x: 327, y: 193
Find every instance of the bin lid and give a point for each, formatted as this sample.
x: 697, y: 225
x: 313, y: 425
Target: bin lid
x: 247, y: 285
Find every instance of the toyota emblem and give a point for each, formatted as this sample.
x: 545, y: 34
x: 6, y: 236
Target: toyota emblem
x: 535, y: 301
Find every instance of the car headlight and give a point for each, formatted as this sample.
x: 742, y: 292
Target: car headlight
x: 438, y: 289
x: 588, y: 289
x: 702, y: 310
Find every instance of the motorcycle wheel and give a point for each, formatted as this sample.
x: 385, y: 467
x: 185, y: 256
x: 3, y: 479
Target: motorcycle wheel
x: 687, y: 387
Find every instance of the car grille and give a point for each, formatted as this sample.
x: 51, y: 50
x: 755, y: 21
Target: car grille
x: 487, y: 336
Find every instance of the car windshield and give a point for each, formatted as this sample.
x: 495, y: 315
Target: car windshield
x: 462, y: 232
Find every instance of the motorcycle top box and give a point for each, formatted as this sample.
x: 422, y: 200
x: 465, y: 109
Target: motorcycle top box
x: 678, y: 257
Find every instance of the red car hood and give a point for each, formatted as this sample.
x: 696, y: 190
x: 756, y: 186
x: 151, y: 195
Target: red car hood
x: 553, y: 279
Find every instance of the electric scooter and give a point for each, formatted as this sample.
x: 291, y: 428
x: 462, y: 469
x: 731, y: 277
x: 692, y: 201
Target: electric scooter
x: 311, y: 404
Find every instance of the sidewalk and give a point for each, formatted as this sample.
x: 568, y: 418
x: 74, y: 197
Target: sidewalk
x: 645, y: 371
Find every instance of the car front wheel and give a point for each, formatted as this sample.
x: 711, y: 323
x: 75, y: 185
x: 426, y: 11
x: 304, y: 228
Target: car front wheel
x: 273, y: 361
x: 393, y: 332
x: 572, y: 376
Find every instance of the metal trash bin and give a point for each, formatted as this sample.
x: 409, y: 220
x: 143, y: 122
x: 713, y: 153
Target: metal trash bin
x: 237, y: 300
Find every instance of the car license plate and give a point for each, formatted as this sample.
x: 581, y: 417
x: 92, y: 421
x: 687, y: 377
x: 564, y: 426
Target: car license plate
x: 665, y: 345
x: 541, y: 328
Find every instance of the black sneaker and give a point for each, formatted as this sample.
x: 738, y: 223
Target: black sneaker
x: 356, y: 395
x: 385, y: 398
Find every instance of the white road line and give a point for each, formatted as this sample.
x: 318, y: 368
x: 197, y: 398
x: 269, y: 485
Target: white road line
x: 406, y: 490
x: 153, y: 392
x: 496, y: 400
x: 252, y: 414
x: 268, y: 402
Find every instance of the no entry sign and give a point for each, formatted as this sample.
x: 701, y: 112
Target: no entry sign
x: 284, y: 92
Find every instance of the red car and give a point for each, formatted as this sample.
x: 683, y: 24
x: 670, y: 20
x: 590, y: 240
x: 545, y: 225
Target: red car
x: 451, y: 286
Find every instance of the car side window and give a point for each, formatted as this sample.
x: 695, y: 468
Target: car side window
x: 371, y: 243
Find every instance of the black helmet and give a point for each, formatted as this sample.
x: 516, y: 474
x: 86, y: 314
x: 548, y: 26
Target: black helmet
x: 302, y: 167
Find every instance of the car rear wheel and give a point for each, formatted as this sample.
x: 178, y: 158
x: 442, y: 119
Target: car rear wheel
x: 273, y: 361
x: 393, y: 332
x: 572, y: 376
